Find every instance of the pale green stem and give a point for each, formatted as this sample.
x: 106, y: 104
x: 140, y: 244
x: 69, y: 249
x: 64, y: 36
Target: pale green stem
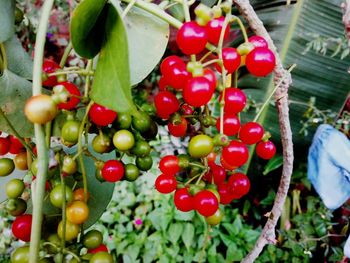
x: 241, y: 26
x: 65, y: 72
x: 127, y: 9
x: 38, y: 198
x: 273, y: 92
x: 155, y: 10
x: 64, y: 219
x: 66, y: 54
x: 210, y: 62
x: 186, y: 10
x: 87, y: 79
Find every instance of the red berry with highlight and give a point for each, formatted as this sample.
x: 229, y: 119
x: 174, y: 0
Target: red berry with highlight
x: 214, y: 28
x: 101, y: 115
x: 166, y: 104
x: 258, y: 41
x: 197, y: 92
x: 235, y: 154
x: 239, y: 185
x: 166, y: 183
x: 50, y: 66
x: 231, y: 124
x: 235, y: 100
x: 231, y: 60
x: 260, y: 62
x: 113, y: 171
x: 266, y: 150
x: 21, y: 227
x: 206, y: 203
x: 251, y: 133
x: 178, y: 130
x: 169, y: 165
x: 183, y: 200
x: 191, y: 38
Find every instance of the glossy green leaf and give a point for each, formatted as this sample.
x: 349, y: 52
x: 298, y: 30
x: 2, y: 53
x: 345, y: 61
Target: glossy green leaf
x: 87, y: 27
x: 7, y: 19
x: 273, y: 164
x: 148, y: 38
x: 14, y: 93
x: 18, y: 60
x: 111, y: 87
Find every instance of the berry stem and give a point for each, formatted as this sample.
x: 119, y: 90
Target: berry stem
x: 64, y: 220
x: 66, y: 53
x: 242, y: 27
x: 198, y: 165
x: 66, y: 72
x: 201, y: 176
x: 14, y: 131
x: 40, y: 183
x: 186, y: 10
x: 155, y: 10
x: 3, y: 59
x: 128, y: 8
x: 80, y: 149
x: 273, y: 92
x: 210, y: 62
x: 87, y: 79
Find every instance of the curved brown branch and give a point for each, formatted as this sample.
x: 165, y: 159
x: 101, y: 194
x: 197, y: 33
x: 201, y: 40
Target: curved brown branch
x: 268, y: 235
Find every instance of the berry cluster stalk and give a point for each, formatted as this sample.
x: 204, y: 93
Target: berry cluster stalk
x: 40, y: 181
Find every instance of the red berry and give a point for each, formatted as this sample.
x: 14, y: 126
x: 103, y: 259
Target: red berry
x: 50, y: 66
x: 226, y: 196
x: 112, y: 171
x: 169, y: 165
x: 239, y: 185
x: 4, y: 145
x: 191, y: 38
x: 260, y: 61
x: 101, y: 115
x: 235, y: 100
x: 226, y: 165
x: 206, y: 203
x: 22, y: 227
x: 166, y: 104
x: 168, y: 62
x: 100, y: 248
x: 266, y: 150
x: 210, y: 75
x: 258, y: 41
x: 178, y: 130
x: 183, y: 200
x: 251, y: 133
x: 177, y: 76
x: 197, y: 92
x: 162, y: 83
x: 235, y: 154
x: 166, y: 183
x: 186, y: 109
x: 231, y: 60
x: 217, y: 174
x: 231, y: 124
x: 16, y: 142
x: 73, y: 100
x: 214, y: 28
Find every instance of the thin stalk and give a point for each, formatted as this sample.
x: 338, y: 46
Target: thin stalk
x: 65, y: 72
x: 48, y: 127
x: 80, y: 149
x: 66, y: 54
x: 3, y: 58
x: 64, y: 219
x: 87, y: 79
x: 14, y: 131
x: 155, y: 10
x: 38, y: 198
x: 186, y: 10
x: 273, y: 92
x: 127, y: 9
x: 210, y: 62
x: 198, y: 165
x: 241, y: 26
x: 206, y: 55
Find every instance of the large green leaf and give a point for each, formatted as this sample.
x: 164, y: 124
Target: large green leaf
x: 111, y: 87
x: 316, y: 75
x: 18, y: 60
x: 148, y: 38
x: 7, y: 19
x: 14, y: 93
x: 87, y: 27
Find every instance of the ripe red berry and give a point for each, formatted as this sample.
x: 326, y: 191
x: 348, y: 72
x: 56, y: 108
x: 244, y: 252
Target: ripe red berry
x: 73, y: 100
x: 186, y: 109
x: 239, y: 185
x: 258, y: 41
x: 168, y: 62
x: 231, y: 124
x: 210, y: 75
x: 15, y: 142
x: 197, y: 92
x: 162, y: 83
x: 166, y: 104
x: 235, y: 154
x: 166, y: 183
x: 235, y: 100
x: 206, y: 203
x: 226, y: 165
x: 177, y: 76
x: 183, y: 200
x: 214, y: 28
x: 21, y: 227
x: 50, y: 66
x: 231, y: 60
x: 112, y: 171
x: 4, y: 145
x: 191, y: 38
x: 100, y: 248
x: 216, y: 175
x: 260, y: 61
x: 266, y: 150
x: 101, y: 115
x: 178, y: 130
x: 169, y: 165
x: 251, y: 133
x: 226, y: 196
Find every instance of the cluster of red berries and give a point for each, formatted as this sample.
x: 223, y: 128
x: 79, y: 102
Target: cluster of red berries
x: 185, y: 91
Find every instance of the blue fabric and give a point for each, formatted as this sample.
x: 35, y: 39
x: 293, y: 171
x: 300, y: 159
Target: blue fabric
x: 329, y: 166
